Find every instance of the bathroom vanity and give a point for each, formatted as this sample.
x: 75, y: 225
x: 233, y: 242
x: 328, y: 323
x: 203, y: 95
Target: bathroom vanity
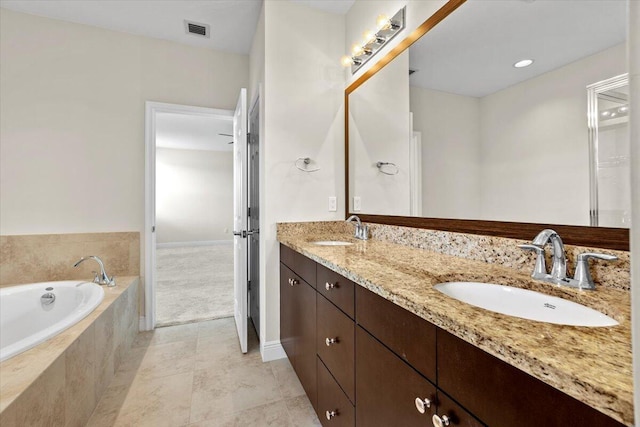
x: 382, y: 348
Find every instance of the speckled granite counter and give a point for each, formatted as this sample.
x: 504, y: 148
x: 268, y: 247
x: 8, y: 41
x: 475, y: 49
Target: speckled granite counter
x: 591, y: 364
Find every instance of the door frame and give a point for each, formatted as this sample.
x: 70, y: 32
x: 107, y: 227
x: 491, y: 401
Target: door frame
x: 149, y: 237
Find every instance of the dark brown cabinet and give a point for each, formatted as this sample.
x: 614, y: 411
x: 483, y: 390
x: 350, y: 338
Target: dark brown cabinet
x: 298, y: 328
x: 390, y: 367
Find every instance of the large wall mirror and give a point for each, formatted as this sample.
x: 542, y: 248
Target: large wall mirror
x: 456, y: 128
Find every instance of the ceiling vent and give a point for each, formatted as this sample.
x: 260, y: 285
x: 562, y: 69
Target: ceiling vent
x: 196, y: 28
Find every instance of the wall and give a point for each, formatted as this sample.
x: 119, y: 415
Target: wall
x: 634, y: 126
x: 194, y: 195
x: 450, y: 127
x: 540, y: 125
x: 379, y: 131
x: 303, y: 117
x: 72, y: 122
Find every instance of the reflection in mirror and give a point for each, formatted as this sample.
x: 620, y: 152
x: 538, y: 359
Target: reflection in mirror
x: 474, y: 137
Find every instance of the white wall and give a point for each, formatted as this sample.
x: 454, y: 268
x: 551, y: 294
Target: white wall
x: 450, y: 127
x: 634, y: 125
x: 72, y: 122
x: 303, y: 117
x: 379, y: 131
x: 363, y: 15
x: 194, y: 195
x: 536, y: 126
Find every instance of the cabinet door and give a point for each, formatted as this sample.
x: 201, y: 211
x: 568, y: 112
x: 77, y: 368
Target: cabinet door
x: 338, y: 356
x: 304, y: 326
x: 334, y: 408
x: 454, y: 413
x: 387, y: 388
x: 299, y: 264
x: 286, y: 312
x: 502, y: 395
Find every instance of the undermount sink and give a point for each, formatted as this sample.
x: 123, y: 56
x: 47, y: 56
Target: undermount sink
x: 332, y: 243
x: 525, y: 304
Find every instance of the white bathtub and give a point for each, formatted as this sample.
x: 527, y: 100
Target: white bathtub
x: 25, y: 321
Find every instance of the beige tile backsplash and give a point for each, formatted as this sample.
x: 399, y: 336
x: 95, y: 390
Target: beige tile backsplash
x: 45, y: 257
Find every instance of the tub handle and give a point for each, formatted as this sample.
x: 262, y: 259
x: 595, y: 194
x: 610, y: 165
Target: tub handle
x: 48, y: 298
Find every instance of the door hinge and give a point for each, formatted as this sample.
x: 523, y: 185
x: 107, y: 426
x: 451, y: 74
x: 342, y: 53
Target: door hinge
x: 248, y: 285
x: 248, y: 212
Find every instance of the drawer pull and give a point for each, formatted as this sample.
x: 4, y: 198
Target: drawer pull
x: 293, y: 282
x: 422, y: 405
x: 443, y: 421
x: 331, y: 414
x: 330, y: 341
x: 328, y: 286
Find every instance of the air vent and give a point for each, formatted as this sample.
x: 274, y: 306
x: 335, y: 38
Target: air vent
x: 196, y: 28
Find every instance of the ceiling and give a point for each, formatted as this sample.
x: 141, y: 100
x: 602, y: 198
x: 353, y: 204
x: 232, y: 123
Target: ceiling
x: 192, y: 132
x: 232, y: 22
x: 472, y: 51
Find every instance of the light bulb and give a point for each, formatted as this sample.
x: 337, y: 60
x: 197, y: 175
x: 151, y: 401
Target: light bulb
x: 623, y: 109
x: 357, y: 50
x: 605, y: 113
x: 369, y: 37
x: 383, y: 22
x: 346, y: 61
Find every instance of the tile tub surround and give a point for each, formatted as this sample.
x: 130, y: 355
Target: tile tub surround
x: 591, y: 364
x: 494, y: 250
x: 45, y: 257
x: 60, y: 381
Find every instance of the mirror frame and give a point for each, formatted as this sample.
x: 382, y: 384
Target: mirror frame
x: 598, y: 237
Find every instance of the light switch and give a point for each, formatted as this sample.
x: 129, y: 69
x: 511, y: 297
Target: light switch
x: 357, y: 204
x: 333, y: 204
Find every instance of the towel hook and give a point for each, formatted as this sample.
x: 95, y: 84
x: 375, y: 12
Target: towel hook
x: 302, y: 163
x: 392, y: 170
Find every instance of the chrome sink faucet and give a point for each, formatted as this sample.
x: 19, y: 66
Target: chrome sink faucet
x: 362, y: 231
x: 582, y: 278
x: 101, y: 278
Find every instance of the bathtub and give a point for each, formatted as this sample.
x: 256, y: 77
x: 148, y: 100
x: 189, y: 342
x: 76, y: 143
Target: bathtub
x: 26, y: 320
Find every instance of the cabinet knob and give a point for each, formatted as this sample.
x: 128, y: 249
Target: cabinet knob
x: 293, y: 282
x: 328, y: 286
x: 331, y: 414
x: 440, y: 421
x: 330, y: 341
x: 422, y: 404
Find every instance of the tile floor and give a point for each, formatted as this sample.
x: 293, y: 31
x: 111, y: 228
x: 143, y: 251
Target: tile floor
x: 195, y: 375
x: 194, y: 283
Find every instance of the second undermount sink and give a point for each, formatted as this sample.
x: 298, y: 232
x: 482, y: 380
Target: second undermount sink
x: 332, y: 243
x: 525, y: 304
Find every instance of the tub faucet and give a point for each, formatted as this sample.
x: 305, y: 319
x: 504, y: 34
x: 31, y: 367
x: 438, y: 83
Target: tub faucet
x: 101, y: 278
x: 362, y: 231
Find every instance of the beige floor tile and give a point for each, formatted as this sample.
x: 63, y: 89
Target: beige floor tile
x: 158, y: 361
x: 288, y: 381
x: 166, y: 335
x: 157, y: 402
x: 109, y: 407
x: 219, y: 393
x: 301, y: 412
x: 269, y: 415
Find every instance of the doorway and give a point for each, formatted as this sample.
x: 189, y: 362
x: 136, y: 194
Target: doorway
x: 189, y: 214
x: 254, y: 215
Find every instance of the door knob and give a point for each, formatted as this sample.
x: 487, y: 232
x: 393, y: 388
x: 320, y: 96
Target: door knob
x: 328, y: 286
x: 331, y: 414
x: 330, y: 341
x: 422, y: 404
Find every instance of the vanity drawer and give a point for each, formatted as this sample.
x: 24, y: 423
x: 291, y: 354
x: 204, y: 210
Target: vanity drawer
x: 331, y: 398
x: 456, y: 414
x: 299, y: 264
x: 387, y: 388
x: 337, y: 289
x: 338, y: 356
x: 502, y: 395
x: 407, y: 335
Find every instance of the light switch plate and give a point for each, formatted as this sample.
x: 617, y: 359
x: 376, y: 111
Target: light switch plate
x: 357, y: 204
x: 333, y: 204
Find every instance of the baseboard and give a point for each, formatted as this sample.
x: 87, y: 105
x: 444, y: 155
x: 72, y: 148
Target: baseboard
x: 193, y: 244
x: 272, y: 350
x: 142, y: 324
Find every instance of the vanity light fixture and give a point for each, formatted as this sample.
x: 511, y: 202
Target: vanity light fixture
x: 523, y: 63
x: 387, y: 27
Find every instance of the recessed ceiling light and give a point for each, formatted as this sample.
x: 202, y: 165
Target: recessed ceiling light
x: 523, y: 63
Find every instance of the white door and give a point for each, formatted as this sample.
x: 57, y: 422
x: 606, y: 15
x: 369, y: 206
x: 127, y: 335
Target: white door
x: 240, y: 218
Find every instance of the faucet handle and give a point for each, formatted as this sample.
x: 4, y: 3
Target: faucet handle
x: 583, y: 275
x: 540, y: 269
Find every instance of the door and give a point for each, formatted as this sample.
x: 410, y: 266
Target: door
x: 254, y: 216
x: 240, y: 217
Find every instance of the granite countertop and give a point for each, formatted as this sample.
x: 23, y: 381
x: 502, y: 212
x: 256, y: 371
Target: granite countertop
x: 594, y: 365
